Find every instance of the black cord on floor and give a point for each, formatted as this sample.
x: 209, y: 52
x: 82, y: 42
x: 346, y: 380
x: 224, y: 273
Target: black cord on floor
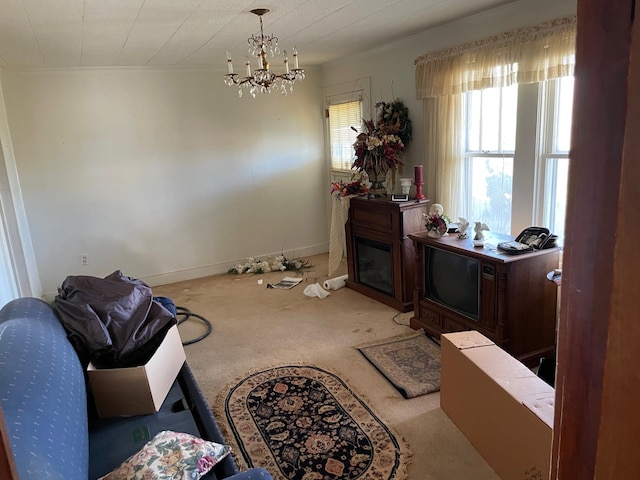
x: 187, y: 314
x: 434, y: 339
x: 397, y: 322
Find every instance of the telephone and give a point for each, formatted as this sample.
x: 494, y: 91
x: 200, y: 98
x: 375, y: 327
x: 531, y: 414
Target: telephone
x: 529, y: 240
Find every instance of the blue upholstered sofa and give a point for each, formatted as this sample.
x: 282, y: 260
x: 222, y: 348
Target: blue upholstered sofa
x: 52, y: 426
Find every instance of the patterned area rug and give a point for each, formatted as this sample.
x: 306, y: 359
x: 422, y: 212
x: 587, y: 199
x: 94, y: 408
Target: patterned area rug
x: 411, y: 362
x: 303, y: 423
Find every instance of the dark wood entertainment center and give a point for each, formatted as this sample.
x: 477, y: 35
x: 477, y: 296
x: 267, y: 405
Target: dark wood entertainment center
x: 517, y: 304
x: 378, y: 245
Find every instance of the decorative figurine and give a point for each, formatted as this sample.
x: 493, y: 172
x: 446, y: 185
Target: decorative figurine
x: 435, y: 209
x: 437, y: 222
x: 479, y: 228
x: 463, y: 226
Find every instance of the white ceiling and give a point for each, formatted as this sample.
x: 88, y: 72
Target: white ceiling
x: 87, y: 33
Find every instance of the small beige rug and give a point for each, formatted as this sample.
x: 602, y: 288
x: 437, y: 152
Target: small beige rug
x: 411, y: 362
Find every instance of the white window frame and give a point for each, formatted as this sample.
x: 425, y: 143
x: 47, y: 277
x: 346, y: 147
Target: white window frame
x: 470, y: 154
x: 533, y: 180
x: 348, y: 91
x: 548, y: 153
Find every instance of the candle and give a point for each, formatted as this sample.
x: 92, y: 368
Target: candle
x: 295, y: 58
x: 229, y: 64
x: 248, y: 68
x: 418, y: 174
x: 286, y: 62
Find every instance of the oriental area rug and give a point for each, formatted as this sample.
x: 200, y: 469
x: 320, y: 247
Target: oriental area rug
x: 411, y: 362
x: 300, y: 422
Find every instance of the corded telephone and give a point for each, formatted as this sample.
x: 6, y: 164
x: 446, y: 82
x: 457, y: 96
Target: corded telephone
x: 529, y: 240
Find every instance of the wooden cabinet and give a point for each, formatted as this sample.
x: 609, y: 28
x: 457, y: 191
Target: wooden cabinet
x: 506, y: 298
x: 380, y: 255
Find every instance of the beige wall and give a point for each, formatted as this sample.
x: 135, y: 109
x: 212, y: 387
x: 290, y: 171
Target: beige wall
x: 164, y: 174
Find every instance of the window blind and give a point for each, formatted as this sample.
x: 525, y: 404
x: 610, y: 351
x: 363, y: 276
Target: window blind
x: 343, y: 116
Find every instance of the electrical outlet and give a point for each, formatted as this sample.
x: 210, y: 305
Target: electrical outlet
x: 84, y: 259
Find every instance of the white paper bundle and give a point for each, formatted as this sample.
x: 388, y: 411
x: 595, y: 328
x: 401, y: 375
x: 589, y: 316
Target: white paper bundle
x: 336, y: 283
x: 315, y: 290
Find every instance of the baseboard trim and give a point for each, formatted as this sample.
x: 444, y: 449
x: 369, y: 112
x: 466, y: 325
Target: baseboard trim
x: 216, y: 269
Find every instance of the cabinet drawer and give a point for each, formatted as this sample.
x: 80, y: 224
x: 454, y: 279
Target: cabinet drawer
x: 379, y: 219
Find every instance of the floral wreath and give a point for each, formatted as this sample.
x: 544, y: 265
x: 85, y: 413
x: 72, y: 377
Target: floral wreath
x: 380, y: 144
x: 395, y: 116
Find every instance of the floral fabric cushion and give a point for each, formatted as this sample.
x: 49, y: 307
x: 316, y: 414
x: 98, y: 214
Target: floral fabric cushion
x: 171, y: 455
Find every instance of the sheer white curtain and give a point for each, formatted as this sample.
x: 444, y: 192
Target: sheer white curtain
x: 535, y: 54
x: 444, y: 150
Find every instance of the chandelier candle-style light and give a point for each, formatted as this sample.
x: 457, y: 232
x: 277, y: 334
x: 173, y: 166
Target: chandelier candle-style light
x: 262, y: 79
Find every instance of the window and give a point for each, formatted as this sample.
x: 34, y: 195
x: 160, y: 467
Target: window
x: 556, y: 105
x: 473, y: 178
x: 518, y: 135
x: 343, y: 116
x: 490, y: 141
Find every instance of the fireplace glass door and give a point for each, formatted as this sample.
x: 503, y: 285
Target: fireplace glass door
x: 374, y: 265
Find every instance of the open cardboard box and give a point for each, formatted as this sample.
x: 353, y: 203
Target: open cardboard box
x: 120, y: 392
x: 500, y: 405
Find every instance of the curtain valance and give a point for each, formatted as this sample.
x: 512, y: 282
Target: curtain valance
x: 529, y: 55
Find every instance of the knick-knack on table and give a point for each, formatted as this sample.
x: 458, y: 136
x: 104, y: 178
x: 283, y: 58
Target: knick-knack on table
x: 463, y: 226
x: 437, y: 222
x: 479, y: 229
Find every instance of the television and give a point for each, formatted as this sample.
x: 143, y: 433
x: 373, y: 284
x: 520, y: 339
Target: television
x: 505, y: 297
x: 453, y: 281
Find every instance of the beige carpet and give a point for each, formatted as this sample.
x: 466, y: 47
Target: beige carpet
x: 255, y: 328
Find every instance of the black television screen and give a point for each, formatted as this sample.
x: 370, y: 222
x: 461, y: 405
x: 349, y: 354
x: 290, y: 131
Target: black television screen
x: 452, y: 280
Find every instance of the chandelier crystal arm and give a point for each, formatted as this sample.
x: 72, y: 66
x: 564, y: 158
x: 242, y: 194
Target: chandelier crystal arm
x: 263, y: 79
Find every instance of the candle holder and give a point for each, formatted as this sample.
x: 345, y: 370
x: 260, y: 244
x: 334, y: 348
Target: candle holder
x: 405, y: 184
x: 419, y: 194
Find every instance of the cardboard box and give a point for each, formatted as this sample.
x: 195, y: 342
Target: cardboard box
x: 120, y: 392
x: 500, y: 405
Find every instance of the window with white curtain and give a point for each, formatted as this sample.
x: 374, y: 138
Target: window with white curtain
x: 497, y: 126
x: 343, y: 118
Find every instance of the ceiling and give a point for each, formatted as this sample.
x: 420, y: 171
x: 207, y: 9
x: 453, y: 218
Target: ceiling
x: 198, y: 33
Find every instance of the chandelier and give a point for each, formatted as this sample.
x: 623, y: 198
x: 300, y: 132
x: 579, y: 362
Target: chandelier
x: 262, y: 79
